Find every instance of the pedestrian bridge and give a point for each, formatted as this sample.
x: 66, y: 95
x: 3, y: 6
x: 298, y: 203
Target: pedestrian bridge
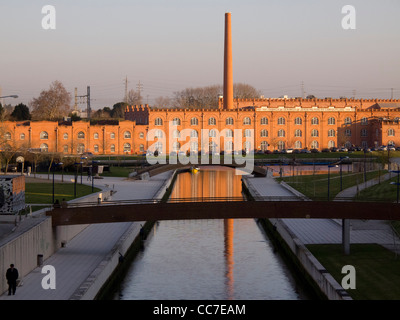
x: 220, y: 208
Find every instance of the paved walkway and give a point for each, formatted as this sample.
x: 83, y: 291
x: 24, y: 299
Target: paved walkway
x: 84, y: 252
x: 318, y: 231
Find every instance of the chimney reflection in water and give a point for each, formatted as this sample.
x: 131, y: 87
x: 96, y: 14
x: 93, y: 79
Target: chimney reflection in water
x: 211, y: 183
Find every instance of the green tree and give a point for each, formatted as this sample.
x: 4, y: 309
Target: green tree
x: 21, y: 112
x: 118, y: 110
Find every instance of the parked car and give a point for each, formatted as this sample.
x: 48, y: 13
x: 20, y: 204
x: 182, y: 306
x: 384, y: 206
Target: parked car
x: 267, y: 151
x: 333, y: 149
x: 326, y: 150
x: 314, y: 151
x: 305, y: 151
x: 343, y: 150
x: 289, y: 150
x: 296, y: 151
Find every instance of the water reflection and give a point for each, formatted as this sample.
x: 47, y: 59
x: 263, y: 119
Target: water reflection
x: 208, y: 259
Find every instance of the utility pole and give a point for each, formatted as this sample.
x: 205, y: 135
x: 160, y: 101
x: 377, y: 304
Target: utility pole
x: 88, y: 102
x: 139, y: 86
x: 87, y: 96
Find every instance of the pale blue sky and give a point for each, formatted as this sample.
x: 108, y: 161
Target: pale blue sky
x: 174, y: 44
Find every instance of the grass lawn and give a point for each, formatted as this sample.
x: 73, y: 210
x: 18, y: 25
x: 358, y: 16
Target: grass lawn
x: 43, y: 192
x: 377, y: 269
x: 316, y: 186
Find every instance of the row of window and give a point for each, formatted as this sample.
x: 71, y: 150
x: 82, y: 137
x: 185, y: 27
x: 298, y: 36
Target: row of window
x: 263, y: 121
x: 96, y: 149
x: 212, y: 133
x: 264, y: 133
x: 81, y: 135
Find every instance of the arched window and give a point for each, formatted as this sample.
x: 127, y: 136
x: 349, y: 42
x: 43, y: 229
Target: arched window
x: 158, y: 134
x: 264, y: 146
x: 141, y: 135
x: 391, y: 143
x: 298, y: 121
x: 44, y: 147
x: 264, y: 133
x: 81, y: 135
x: 331, y: 144
x: 176, y: 146
x: 229, y: 121
x: 7, y: 136
x: 264, y: 121
x: 65, y: 148
x: 194, y: 122
x: 281, y: 121
x: 96, y: 148
x: 112, y: 148
x: 331, y: 133
x: 331, y: 121
x: 247, y: 121
x: 347, y: 132
x: 297, y: 133
x: 229, y: 133
x: 22, y: 136
x: 95, y: 135
x: 281, y: 145
x: 314, y: 145
x: 194, y: 147
x: 297, y: 145
x: 194, y: 134
x: 176, y: 122
x: 44, y: 135
x: 112, y: 135
x: 228, y: 146
x: 314, y: 133
x: 158, y: 122
x: 281, y: 133
x: 141, y: 148
x: 247, y: 146
x: 127, y: 147
x: 364, y: 121
x: 315, y: 120
x: 212, y: 133
x: 364, y: 132
x: 127, y: 135
x: 80, y: 148
x: 347, y: 121
x: 390, y: 132
x: 65, y: 136
x: 212, y: 121
x: 247, y: 133
x: 176, y: 134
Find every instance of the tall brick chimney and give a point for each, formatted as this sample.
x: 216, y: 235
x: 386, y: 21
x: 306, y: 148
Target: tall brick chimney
x: 228, y: 75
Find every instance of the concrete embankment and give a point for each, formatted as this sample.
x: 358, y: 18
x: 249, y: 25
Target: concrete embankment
x: 110, y: 271
x: 35, y: 239
x: 324, y: 285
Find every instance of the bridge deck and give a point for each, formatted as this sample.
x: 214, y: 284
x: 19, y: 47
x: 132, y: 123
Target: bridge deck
x: 217, y: 209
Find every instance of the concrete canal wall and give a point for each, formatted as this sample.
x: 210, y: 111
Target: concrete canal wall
x: 35, y: 239
x: 308, y: 265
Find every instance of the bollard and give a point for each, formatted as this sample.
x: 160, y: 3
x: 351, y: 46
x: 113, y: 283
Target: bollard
x: 39, y: 260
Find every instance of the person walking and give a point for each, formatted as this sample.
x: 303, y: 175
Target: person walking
x: 12, y: 276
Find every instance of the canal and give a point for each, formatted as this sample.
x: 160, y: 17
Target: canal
x: 209, y: 259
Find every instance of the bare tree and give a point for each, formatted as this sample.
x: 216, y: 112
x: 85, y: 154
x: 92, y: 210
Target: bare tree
x: 51, y: 104
x: 162, y: 102
x: 207, y: 97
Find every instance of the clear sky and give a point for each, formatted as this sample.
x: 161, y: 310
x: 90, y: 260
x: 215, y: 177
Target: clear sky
x: 169, y: 45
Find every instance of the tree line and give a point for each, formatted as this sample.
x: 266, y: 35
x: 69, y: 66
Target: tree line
x: 55, y: 103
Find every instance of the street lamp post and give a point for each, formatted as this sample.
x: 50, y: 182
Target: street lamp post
x: 397, y: 183
x: 92, y: 174
x: 329, y: 174
x: 54, y: 169
x: 83, y: 158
